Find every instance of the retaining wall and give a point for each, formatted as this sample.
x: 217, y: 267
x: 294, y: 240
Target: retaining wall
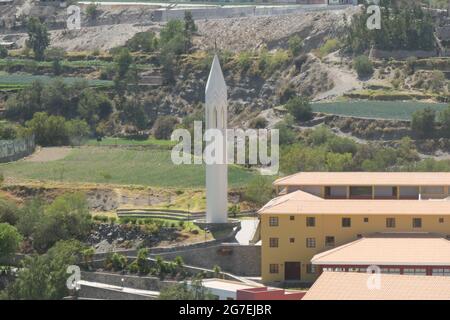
x: 12, y: 150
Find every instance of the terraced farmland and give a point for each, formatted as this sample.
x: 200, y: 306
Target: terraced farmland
x: 17, y: 81
x: 395, y: 110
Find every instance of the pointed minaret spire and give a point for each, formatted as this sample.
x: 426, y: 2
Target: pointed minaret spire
x: 216, y: 118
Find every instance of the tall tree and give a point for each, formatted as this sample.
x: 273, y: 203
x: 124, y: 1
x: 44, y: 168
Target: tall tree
x: 38, y: 37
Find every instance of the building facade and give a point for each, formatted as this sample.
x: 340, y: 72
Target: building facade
x: 316, y: 212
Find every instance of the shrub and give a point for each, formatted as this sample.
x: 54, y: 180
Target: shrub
x: 163, y: 127
x: 363, y: 66
x: 92, y: 11
x: 118, y: 261
x: 258, y: 123
x: 258, y: 190
x: 9, y: 212
x: 3, y: 52
x: 143, y: 41
x: 329, y: 46
x: 244, y: 60
x: 299, y: 108
x: 9, y: 240
x: 423, y: 123
x: 295, y: 44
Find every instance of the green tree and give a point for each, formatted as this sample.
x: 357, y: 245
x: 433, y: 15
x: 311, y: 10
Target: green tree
x: 299, y: 108
x: 43, y: 277
x: 92, y: 11
x: 444, y: 119
x: 29, y: 216
x: 49, y: 130
x: 363, y: 66
x: 77, y: 131
x: 184, y: 291
x: 259, y: 190
x: 3, y: 52
x: 9, y: 211
x: 143, y: 41
x: 67, y: 217
x: 10, y: 240
x: 423, y: 123
x: 38, y: 37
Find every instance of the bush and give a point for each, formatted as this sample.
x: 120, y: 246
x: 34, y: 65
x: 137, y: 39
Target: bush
x: 444, y: 119
x: 143, y: 41
x: 363, y: 66
x: 329, y: 46
x: 299, y: 108
x: 3, y: 52
x: 92, y: 11
x: 258, y: 123
x: 67, y: 217
x: 295, y: 44
x: 164, y: 126
x: 9, y: 212
x: 9, y: 240
x: 259, y: 190
x: 244, y: 60
x: 423, y: 123
x: 118, y: 262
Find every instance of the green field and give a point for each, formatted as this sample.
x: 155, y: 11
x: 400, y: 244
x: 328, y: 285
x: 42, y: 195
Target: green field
x: 120, y: 166
x: 10, y: 81
x: 395, y: 110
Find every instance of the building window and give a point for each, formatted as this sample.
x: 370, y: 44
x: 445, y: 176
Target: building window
x: 366, y: 220
x: 417, y: 223
x: 310, y: 221
x: 361, y: 192
x: 390, y: 222
x: 432, y: 190
x: 273, y: 221
x: 273, y: 242
x: 346, y: 222
x: 291, y: 240
x: 292, y: 218
x: 440, y: 272
x: 390, y: 270
x: 441, y: 220
x: 418, y: 271
x: 273, y: 268
x: 310, y: 242
x: 310, y: 268
x: 329, y: 241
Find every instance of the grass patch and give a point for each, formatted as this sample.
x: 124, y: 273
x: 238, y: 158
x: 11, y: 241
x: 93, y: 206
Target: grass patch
x: 391, y: 110
x: 121, y: 166
x: 151, y: 141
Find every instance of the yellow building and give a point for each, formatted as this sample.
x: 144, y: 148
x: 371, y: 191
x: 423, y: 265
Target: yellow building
x: 315, y: 212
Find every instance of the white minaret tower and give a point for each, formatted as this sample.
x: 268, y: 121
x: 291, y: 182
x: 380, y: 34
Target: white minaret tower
x: 216, y: 118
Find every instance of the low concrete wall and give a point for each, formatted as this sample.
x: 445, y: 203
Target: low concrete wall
x: 130, y: 281
x: 241, y: 260
x: 92, y: 292
x: 402, y: 54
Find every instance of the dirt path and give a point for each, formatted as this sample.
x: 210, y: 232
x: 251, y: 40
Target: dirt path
x: 344, y: 81
x: 49, y: 154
